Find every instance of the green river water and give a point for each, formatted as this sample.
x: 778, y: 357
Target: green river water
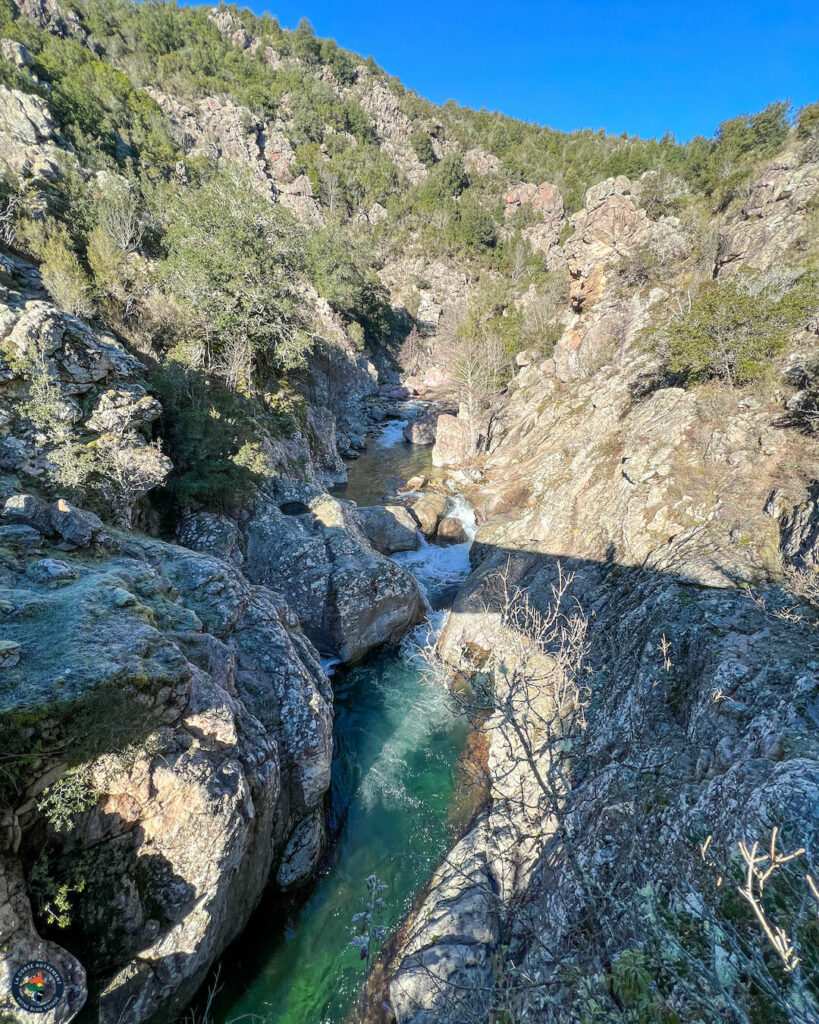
x: 392, y: 809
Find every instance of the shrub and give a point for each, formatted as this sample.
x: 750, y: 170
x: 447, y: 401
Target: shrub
x: 422, y: 147
x: 340, y: 274
x: 66, y: 281
x: 661, y: 193
x: 733, y: 328
x: 447, y: 180
x: 476, y: 229
x: 232, y: 258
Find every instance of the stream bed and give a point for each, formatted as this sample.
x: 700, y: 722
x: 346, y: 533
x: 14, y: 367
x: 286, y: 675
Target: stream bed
x: 395, y: 804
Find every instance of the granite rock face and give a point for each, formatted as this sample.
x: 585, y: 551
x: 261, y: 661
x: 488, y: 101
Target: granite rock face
x: 348, y: 597
x: 200, y: 722
x: 686, y: 524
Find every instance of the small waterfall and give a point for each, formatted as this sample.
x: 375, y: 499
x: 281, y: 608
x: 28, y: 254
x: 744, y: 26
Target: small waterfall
x: 439, y: 569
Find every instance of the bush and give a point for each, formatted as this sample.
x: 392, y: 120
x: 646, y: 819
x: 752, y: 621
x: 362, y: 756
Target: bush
x: 476, y: 228
x: 446, y: 181
x: 339, y: 271
x: 422, y: 147
x: 211, y: 435
x: 733, y: 328
x: 66, y: 281
x: 232, y: 257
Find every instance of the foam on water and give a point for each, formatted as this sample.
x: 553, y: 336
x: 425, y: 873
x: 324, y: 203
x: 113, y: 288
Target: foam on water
x: 436, y: 568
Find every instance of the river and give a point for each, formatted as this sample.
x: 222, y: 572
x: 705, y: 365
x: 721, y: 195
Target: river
x: 393, y: 806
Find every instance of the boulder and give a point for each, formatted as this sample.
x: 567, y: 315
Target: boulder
x: 421, y: 430
x: 9, y: 654
x: 453, y: 441
x: 349, y: 598
x: 75, y: 525
x: 415, y: 483
x: 394, y: 391
x: 50, y: 570
x: 27, y: 510
x: 429, y: 510
x: 450, y: 531
x: 24, y: 118
x: 210, y: 684
x: 16, y: 53
x: 389, y: 528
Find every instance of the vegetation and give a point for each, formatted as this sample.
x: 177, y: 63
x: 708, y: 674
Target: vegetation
x: 731, y: 329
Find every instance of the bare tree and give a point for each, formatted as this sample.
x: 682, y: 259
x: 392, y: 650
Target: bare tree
x: 479, y: 370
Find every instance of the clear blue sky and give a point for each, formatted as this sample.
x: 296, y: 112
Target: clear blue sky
x: 640, y: 67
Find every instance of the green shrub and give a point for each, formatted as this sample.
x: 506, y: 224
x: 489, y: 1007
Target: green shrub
x: 340, y: 272
x: 422, y: 147
x: 211, y: 435
x: 476, y: 229
x: 65, y: 279
x: 232, y: 258
x: 733, y: 328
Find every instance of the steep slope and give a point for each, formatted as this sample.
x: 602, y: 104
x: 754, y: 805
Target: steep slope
x: 644, y: 598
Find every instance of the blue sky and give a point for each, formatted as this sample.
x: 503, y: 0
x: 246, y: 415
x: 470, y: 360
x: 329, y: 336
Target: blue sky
x: 640, y: 67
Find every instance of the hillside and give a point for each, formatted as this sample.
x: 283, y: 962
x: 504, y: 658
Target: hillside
x: 229, y: 253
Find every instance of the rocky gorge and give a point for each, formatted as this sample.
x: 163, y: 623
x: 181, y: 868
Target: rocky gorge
x: 488, y: 570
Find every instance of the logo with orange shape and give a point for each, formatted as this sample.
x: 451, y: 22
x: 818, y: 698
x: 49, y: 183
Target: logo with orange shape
x: 37, y: 986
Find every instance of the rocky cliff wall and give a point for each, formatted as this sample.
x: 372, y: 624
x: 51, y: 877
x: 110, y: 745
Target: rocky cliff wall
x: 644, y: 598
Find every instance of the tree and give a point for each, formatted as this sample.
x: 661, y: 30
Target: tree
x: 232, y: 260
x: 479, y: 369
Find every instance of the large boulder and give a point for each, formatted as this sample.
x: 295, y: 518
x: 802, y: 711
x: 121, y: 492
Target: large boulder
x: 348, y: 597
x: 450, y: 531
x: 389, y: 528
x: 421, y: 430
x: 75, y: 525
x: 27, y: 510
x: 429, y: 509
x: 453, y: 441
x: 126, y: 407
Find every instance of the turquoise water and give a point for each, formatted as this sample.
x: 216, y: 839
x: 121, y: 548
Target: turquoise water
x: 394, y: 778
